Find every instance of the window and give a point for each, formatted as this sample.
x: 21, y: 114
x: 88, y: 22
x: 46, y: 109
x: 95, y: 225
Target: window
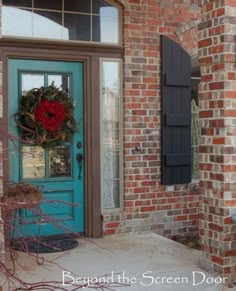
x: 83, y: 20
x: 111, y: 149
x: 195, y: 124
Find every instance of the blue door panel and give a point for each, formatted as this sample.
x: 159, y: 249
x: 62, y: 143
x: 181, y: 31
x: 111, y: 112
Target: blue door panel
x: 62, y: 209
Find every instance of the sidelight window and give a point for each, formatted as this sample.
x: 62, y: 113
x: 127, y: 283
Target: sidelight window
x: 111, y: 136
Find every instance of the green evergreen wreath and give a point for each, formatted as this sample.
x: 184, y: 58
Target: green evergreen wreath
x: 46, y: 116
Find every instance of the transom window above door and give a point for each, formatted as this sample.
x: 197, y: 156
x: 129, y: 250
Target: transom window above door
x: 75, y: 20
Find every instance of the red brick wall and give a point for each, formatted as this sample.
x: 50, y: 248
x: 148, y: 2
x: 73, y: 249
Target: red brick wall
x: 147, y: 204
x: 218, y: 151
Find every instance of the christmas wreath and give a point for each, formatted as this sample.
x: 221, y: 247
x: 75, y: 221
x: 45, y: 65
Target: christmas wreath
x: 46, y: 116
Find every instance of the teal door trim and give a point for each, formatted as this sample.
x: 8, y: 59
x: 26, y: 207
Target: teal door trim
x: 69, y: 189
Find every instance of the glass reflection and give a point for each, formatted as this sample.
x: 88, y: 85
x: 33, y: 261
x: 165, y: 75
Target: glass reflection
x: 109, y: 18
x: 17, y: 22
x: 98, y: 5
x: 111, y: 133
x: 33, y: 162
x: 78, y: 26
x: 82, y: 20
x: 51, y: 5
x: 77, y: 6
x: 60, y: 80
x: 47, y: 24
x: 19, y: 3
x: 30, y: 81
x: 60, y: 161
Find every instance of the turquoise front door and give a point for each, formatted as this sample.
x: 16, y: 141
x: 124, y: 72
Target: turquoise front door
x: 55, y: 169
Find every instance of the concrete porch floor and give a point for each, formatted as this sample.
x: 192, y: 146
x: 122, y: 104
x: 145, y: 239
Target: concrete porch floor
x: 147, y: 260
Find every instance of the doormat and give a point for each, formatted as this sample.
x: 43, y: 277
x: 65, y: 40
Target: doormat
x: 52, y: 244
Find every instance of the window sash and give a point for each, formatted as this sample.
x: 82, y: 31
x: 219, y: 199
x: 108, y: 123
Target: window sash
x: 63, y: 24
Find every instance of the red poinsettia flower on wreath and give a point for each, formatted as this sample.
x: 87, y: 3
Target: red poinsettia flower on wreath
x: 51, y: 114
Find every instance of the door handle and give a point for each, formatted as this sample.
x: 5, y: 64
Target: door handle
x: 79, y: 158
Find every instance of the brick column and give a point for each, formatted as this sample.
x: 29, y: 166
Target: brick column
x: 218, y: 142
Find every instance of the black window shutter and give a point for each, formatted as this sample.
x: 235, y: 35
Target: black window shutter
x: 176, y: 114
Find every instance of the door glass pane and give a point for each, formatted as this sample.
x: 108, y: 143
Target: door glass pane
x: 30, y: 81
x: 51, y: 4
x: 111, y: 133
x: 47, y: 24
x: 60, y: 161
x: 19, y: 3
x: 60, y: 80
x: 78, y: 26
x: 33, y: 162
x: 17, y: 22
